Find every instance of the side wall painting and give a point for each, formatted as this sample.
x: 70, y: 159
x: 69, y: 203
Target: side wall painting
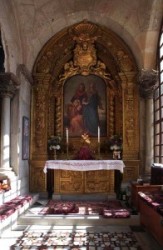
x: 84, y: 106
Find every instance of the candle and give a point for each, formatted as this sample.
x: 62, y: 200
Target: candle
x: 67, y: 135
x: 98, y: 134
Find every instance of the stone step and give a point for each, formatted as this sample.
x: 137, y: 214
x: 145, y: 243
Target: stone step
x: 69, y: 220
x: 84, y: 197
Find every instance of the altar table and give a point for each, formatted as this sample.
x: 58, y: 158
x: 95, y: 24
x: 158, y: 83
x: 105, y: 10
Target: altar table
x: 84, y: 165
x: 82, y: 176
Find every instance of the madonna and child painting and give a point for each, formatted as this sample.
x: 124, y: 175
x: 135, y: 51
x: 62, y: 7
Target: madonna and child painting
x: 85, y: 106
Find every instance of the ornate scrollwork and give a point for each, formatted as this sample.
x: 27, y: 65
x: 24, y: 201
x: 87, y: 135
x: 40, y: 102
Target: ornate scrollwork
x: 124, y: 61
x: 85, y: 59
x: 40, y: 108
x: 70, y: 70
x: 44, y: 64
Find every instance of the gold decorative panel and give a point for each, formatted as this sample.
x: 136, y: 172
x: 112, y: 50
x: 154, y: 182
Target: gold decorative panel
x: 131, y: 171
x: 73, y: 182
x: 101, y: 181
x: 37, y: 177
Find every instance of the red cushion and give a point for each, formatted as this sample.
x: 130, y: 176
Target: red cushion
x: 6, y: 211
x: 116, y: 213
x: 62, y: 208
x: 10, y: 207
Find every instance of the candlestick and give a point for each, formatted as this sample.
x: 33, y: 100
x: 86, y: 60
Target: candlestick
x: 67, y: 135
x: 67, y: 141
x: 98, y: 134
x: 99, y: 156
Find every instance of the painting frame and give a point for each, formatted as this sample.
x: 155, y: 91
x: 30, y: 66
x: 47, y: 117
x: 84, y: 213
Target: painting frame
x: 25, y: 138
x: 68, y: 94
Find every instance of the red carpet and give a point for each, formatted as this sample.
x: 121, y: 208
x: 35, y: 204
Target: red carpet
x: 107, y: 209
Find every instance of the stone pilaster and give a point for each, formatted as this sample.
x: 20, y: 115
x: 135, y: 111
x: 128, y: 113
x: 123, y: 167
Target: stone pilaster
x: 8, y: 86
x: 148, y: 136
x: 148, y: 81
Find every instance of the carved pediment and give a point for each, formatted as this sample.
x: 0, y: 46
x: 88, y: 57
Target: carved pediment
x: 85, y: 60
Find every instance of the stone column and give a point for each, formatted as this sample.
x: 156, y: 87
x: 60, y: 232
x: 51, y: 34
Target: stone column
x: 147, y: 85
x: 8, y: 86
x: 148, y: 135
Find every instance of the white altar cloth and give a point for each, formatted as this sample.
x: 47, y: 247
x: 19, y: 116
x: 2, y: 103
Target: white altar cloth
x: 84, y: 165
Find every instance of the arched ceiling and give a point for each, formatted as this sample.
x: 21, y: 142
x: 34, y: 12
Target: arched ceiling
x: 27, y: 25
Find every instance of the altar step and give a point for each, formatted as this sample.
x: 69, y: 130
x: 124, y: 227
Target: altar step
x: 84, y: 197
x: 65, y: 220
x: 32, y: 217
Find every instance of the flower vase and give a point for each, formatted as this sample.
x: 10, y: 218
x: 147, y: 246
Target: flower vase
x: 116, y: 154
x: 55, y: 154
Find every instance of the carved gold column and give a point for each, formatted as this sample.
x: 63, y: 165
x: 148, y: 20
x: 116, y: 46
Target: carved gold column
x: 39, y: 121
x: 130, y: 116
x: 58, y: 115
x: 40, y: 115
x: 130, y: 125
x: 111, y: 114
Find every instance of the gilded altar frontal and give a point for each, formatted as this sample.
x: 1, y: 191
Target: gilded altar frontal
x: 84, y: 63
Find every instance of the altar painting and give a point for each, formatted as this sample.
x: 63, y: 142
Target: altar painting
x: 85, y: 106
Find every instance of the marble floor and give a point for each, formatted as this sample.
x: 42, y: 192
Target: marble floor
x: 30, y: 221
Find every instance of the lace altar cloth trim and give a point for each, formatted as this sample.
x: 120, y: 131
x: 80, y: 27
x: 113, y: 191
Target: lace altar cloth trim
x: 84, y: 165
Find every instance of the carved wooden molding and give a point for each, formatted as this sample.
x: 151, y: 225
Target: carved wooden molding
x: 130, y: 116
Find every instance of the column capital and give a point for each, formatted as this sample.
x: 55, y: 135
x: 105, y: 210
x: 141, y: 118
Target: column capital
x: 9, y: 83
x: 148, y: 81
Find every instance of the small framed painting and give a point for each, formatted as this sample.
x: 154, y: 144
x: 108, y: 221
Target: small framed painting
x: 25, y: 138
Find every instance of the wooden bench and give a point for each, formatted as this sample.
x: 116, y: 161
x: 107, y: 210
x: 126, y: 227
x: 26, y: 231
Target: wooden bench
x: 151, y: 213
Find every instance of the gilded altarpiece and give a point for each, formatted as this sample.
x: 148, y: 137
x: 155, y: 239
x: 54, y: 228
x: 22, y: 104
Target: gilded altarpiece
x: 84, y: 49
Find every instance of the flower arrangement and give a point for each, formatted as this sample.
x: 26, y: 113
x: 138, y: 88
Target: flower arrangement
x: 115, y: 142
x: 54, y: 142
